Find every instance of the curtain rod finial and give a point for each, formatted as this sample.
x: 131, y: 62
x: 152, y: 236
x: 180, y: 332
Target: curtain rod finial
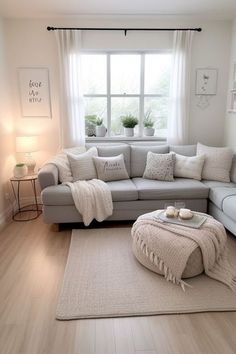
x: 50, y: 28
x: 199, y: 29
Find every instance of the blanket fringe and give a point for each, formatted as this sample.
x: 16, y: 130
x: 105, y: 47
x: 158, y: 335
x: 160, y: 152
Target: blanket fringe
x: 157, y: 261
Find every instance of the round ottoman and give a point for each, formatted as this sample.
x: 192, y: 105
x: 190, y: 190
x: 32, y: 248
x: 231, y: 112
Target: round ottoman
x: 194, y: 265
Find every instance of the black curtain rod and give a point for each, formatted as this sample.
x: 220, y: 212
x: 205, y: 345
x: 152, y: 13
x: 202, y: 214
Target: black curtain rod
x: 122, y: 29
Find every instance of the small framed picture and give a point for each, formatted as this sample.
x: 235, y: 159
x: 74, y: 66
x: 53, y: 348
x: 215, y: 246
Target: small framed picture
x: 206, y: 81
x: 34, y: 92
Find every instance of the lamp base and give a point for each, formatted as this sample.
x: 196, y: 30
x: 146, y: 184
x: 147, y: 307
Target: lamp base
x: 30, y: 163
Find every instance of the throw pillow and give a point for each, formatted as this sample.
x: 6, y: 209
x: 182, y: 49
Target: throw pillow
x: 217, y: 164
x: 189, y: 166
x: 159, y: 166
x: 62, y: 163
x: 82, y: 166
x: 111, y: 168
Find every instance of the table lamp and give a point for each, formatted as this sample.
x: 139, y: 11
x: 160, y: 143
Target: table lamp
x: 27, y: 145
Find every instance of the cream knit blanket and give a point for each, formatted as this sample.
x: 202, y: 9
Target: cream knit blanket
x: 92, y: 199
x: 169, y: 247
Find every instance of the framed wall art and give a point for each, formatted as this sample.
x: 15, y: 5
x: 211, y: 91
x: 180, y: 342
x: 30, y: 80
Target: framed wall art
x: 34, y: 92
x: 206, y: 81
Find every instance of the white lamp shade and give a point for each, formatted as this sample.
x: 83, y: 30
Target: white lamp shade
x: 26, y: 143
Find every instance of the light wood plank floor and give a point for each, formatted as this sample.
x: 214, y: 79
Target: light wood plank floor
x: 32, y: 262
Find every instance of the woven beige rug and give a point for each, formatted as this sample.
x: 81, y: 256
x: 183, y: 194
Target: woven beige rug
x: 103, y: 279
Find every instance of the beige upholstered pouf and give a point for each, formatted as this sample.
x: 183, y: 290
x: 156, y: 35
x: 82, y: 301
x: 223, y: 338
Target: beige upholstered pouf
x: 147, y: 246
x: 193, y: 267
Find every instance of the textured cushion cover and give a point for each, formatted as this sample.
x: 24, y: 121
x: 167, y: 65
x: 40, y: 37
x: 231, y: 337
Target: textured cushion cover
x: 229, y: 207
x: 186, y: 150
x: 111, y: 168
x: 180, y: 188
x: 124, y: 190
x: 217, y: 164
x: 160, y: 166
x: 188, y: 166
x: 139, y: 157
x: 108, y: 151
x: 193, y: 267
x: 82, y: 166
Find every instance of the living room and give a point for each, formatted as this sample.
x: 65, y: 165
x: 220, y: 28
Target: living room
x: 149, y: 82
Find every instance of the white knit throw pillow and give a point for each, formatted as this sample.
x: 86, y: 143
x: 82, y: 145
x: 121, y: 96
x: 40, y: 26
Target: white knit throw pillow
x: 159, y: 166
x: 82, y: 166
x: 189, y: 166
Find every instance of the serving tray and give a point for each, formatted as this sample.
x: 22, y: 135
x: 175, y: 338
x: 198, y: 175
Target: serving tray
x: 196, y: 222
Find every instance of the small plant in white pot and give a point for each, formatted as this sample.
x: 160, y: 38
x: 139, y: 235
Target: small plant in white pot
x: 100, y: 128
x: 129, y: 122
x: 148, y: 126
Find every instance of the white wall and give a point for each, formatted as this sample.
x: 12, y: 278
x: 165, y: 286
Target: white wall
x: 30, y: 44
x: 230, y: 121
x: 6, y: 132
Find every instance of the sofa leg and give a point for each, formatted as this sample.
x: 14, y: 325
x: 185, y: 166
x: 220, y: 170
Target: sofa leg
x: 55, y: 227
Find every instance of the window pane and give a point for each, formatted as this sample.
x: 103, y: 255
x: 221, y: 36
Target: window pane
x: 121, y: 106
x: 95, y: 107
x: 157, y: 73
x: 125, y: 74
x: 156, y: 109
x: 94, y: 73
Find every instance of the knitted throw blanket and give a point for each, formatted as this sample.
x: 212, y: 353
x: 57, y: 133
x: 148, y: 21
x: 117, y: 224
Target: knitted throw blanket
x: 169, y: 247
x: 92, y: 199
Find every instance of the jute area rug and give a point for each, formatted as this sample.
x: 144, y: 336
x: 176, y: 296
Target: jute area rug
x: 104, y: 279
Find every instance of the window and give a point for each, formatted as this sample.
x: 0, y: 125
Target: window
x: 116, y: 84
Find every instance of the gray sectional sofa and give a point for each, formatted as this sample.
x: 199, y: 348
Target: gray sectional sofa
x: 137, y: 195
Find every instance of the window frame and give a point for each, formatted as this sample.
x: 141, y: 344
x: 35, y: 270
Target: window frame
x: 141, y: 96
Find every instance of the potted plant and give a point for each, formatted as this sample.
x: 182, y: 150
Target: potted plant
x: 100, y: 128
x: 90, y: 124
x: 129, y: 122
x: 148, y: 126
x: 20, y: 170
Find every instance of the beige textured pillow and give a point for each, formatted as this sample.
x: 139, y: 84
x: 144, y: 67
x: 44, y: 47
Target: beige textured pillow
x: 82, y: 166
x: 159, y: 166
x: 111, y: 168
x: 217, y: 164
x: 189, y: 166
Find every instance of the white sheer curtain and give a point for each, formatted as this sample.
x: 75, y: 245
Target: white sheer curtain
x: 178, y: 124
x: 72, y: 129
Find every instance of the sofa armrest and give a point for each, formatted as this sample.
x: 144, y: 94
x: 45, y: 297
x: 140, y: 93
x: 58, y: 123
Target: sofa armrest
x: 48, y: 176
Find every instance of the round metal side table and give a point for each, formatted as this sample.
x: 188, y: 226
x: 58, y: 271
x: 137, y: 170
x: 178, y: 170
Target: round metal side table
x: 35, y: 208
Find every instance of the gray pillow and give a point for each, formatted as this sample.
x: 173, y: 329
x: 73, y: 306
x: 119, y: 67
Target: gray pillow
x: 217, y: 164
x: 160, y: 166
x: 111, y: 168
x: 82, y: 166
x: 139, y: 157
x: 109, y: 151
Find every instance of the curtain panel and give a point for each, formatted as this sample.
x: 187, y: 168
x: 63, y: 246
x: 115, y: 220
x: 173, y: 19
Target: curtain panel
x: 72, y: 125
x: 178, y: 123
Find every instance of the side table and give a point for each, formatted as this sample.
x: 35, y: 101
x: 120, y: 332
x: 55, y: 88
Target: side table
x: 16, y: 183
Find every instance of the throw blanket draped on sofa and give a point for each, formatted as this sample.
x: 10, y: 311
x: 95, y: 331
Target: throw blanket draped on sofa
x: 92, y: 199
x: 172, y: 253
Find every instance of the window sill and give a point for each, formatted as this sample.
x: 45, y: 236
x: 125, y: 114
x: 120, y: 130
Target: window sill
x: 125, y: 139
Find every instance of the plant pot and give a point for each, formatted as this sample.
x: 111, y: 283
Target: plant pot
x: 100, y: 130
x: 149, y: 131
x: 20, y: 171
x: 129, y: 132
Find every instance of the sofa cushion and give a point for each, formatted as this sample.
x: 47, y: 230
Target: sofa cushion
x: 138, y: 155
x: 109, y: 151
x: 178, y: 189
x: 111, y: 168
x: 61, y: 195
x: 218, y: 195
x: 186, y: 150
x: 229, y: 207
x: 217, y: 164
x: 214, y: 184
